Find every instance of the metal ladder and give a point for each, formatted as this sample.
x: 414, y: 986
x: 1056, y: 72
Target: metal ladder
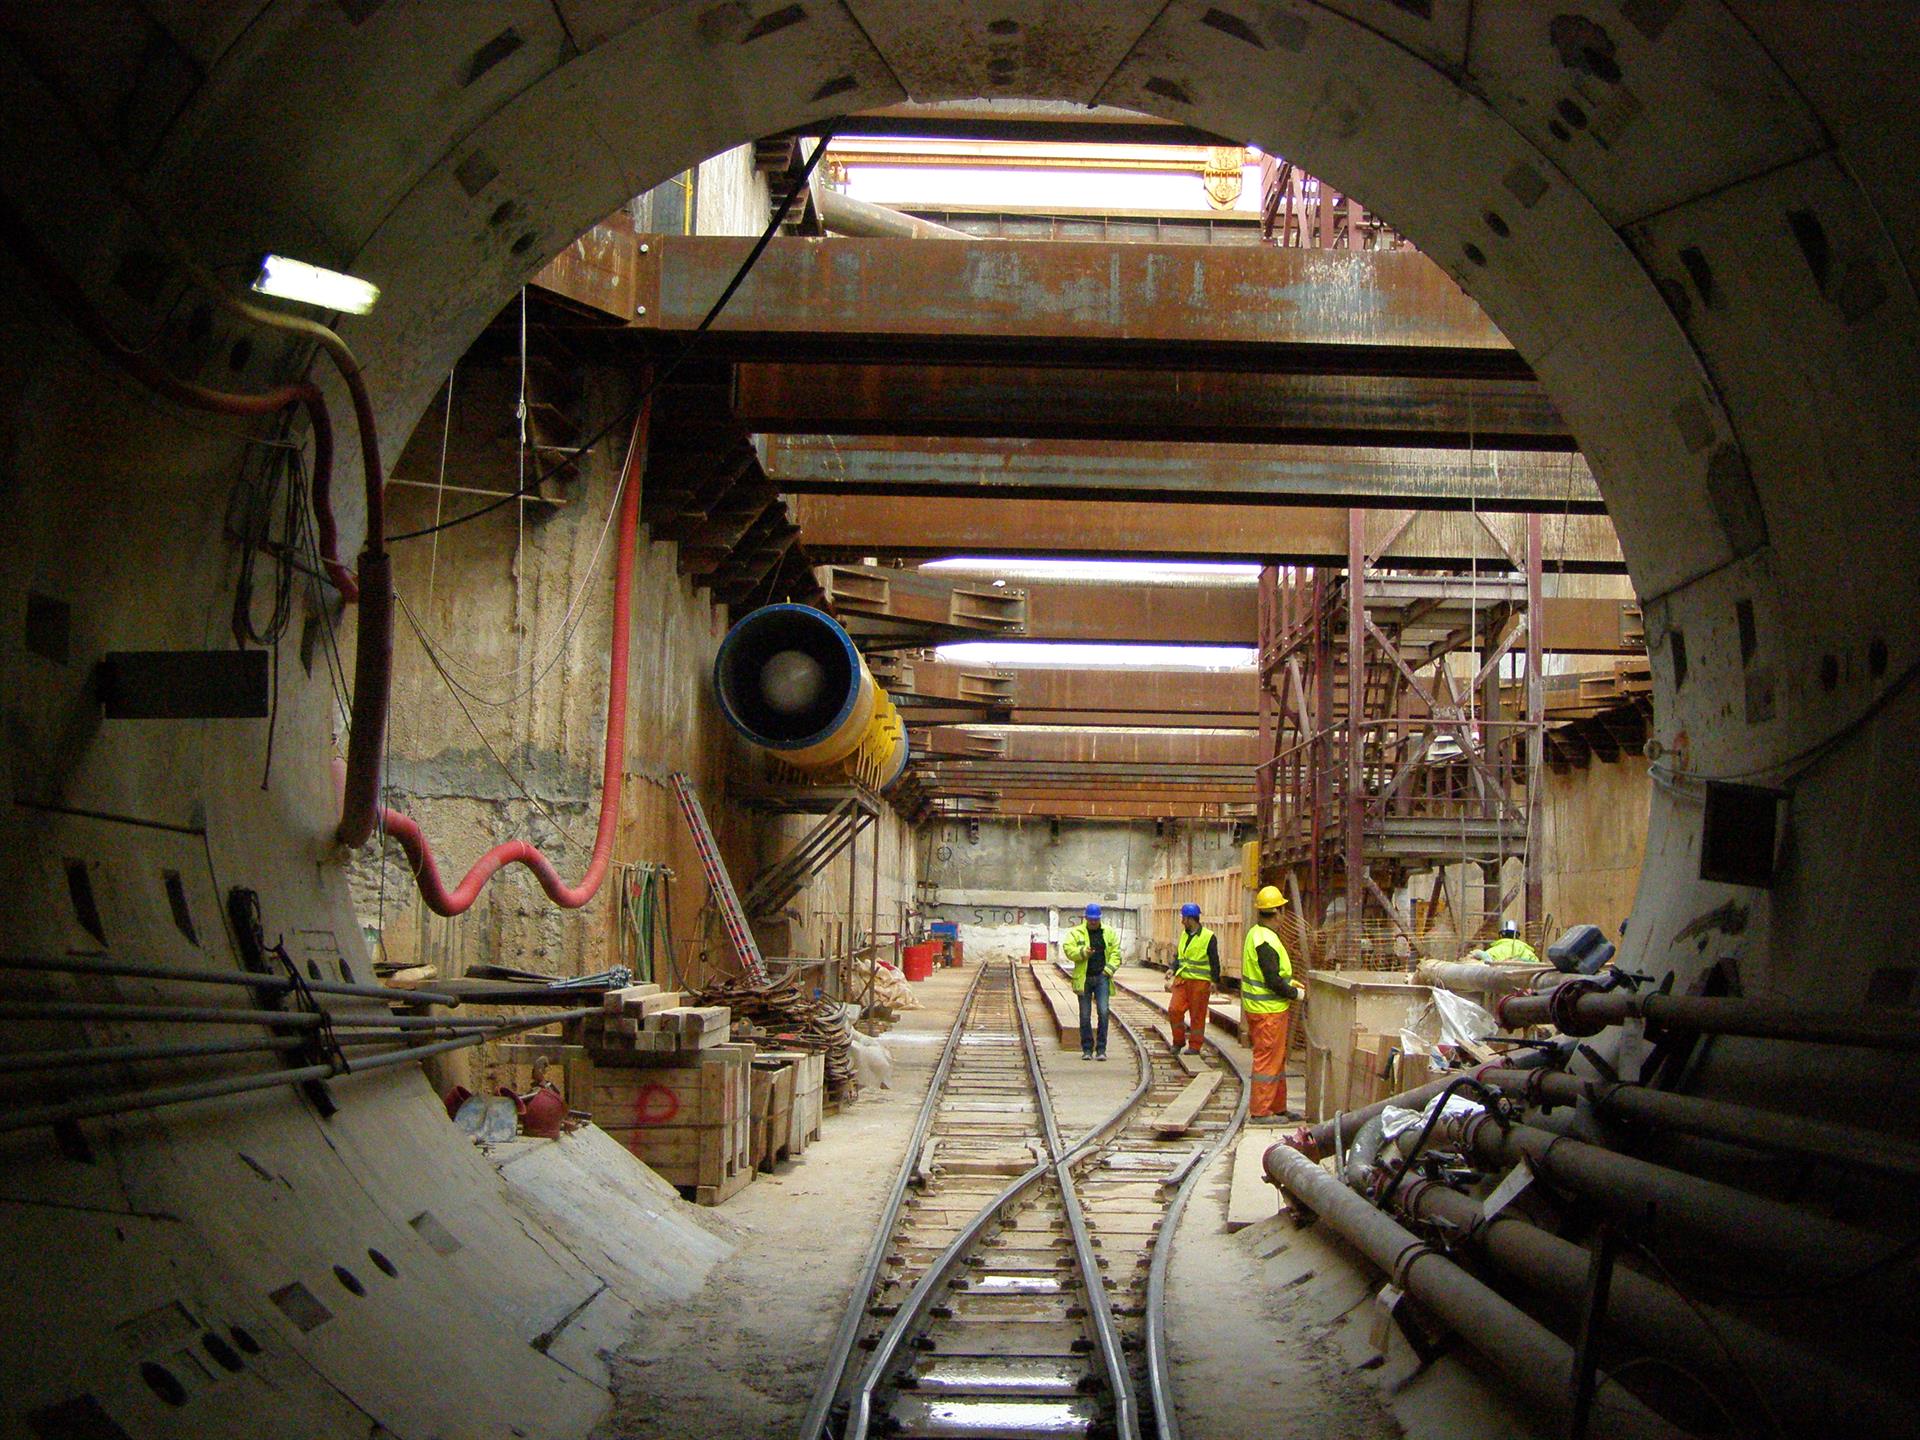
x: 718, y: 881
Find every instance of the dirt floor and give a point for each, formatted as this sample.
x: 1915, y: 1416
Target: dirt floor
x: 742, y: 1357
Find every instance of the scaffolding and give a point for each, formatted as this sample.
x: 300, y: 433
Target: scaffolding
x: 1401, y: 718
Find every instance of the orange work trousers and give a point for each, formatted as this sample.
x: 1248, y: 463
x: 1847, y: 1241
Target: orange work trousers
x: 1187, y: 1009
x: 1267, y: 1034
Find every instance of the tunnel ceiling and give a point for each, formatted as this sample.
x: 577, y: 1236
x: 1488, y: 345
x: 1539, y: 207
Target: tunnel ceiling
x: 1695, y: 220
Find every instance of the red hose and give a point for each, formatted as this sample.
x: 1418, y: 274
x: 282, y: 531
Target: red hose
x: 426, y: 874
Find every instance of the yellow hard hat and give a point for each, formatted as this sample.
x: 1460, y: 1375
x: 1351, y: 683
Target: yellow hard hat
x: 1269, y: 898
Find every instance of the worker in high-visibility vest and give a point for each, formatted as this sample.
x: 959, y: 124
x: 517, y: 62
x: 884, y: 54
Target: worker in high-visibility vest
x: 1196, y: 970
x: 1509, y: 949
x: 1095, y: 953
x: 1266, y: 992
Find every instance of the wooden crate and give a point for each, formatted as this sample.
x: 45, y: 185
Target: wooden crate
x: 809, y: 1069
x: 692, y: 1123
x: 1343, y: 1005
x: 773, y: 1092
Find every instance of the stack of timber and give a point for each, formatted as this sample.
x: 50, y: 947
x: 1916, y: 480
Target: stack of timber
x: 648, y: 1020
x: 664, y: 1080
x: 788, y: 1014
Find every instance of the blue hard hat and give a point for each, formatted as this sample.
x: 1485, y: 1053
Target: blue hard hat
x: 1190, y: 911
x: 1093, y: 912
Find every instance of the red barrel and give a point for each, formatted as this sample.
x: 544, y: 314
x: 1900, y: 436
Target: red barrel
x: 1037, y: 952
x: 916, y: 961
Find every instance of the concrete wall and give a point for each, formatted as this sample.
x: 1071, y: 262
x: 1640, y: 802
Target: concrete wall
x: 1008, y: 882
x: 730, y: 197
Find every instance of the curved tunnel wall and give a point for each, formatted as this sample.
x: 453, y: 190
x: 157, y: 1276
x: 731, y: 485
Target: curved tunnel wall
x: 1695, y: 219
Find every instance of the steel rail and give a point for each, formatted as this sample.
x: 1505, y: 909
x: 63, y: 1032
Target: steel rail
x: 1126, y: 1412
x: 1159, y: 1369
x: 913, y: 1311
x: 835, y: 1379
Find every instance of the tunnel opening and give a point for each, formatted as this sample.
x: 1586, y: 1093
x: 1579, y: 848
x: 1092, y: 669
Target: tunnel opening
x: 1734, y: 369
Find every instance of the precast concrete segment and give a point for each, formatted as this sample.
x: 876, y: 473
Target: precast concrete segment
x: 1696, y: 222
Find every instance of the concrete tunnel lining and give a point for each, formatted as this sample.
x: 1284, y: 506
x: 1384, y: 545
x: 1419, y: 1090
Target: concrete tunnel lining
x: 1736, y: 359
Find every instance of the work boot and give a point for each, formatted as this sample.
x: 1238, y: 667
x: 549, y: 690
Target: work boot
x: 1263, y: 1120
x: 1086, y: 1054
x: 1101, y: 1056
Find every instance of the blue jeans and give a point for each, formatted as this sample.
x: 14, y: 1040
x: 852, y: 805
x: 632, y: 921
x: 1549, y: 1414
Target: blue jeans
x: 1097, y: 990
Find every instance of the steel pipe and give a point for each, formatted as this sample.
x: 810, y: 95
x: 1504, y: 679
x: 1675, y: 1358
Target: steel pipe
x: 1847, y: 1145
x: 92, y: 965
x: 1478, y: 977
x: 1805, y: 1388
x: 126, y: 1102
x: 32, y: 1061
x: 844, y: 215
x: 1316, y: 1142
x: 1636, y: 1192
x: 1535, y: 1360
x: 177, y: 1014
x: 1579, y: 1009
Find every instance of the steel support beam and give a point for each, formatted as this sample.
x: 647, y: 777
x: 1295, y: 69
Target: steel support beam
x: 1177, y: 471
x: 1015, y: 744
x: 1253, y: 307
x: 934, y: 528
x: 1051, y: 400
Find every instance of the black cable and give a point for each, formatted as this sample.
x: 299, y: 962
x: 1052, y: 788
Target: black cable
x: 662, y: 375
x: 1426, y: 1130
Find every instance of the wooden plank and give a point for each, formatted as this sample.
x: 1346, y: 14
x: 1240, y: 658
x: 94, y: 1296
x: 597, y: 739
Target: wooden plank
x: 1180, y: 1112
x: 617, y: 1001
x: 1192, y: 1064
x: 1253, y: 1197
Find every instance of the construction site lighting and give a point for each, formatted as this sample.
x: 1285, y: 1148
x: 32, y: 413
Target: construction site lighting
x: 312, y: 285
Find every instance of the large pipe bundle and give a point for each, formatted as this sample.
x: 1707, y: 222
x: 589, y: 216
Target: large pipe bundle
x: 790, y: 680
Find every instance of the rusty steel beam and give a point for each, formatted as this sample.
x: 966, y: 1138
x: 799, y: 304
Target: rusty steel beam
x: 1042, y: 469
x: 1015, y: 744
x: 1253, y: 307
x: 887, y: 607
x: 1075, y: 807
x: 936, y: 528
x: 1153, y: 403
x: 1201, y: 614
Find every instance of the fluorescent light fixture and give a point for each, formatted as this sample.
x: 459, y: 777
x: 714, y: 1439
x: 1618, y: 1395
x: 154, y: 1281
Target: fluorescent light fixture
x: 1096, y: 656
x: 311, y: 285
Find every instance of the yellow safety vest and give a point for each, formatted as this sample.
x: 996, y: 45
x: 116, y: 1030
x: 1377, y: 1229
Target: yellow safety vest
x: 1076, y: 945
x: 1192, y: 963
x: 1255, y: 997
x: 1510, y: 950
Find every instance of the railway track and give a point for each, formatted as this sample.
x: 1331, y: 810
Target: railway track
x: 1016, y: 1284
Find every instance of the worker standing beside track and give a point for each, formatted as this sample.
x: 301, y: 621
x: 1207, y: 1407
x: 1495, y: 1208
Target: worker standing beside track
x: 1196, y: 970
x: 1095, y: 953
x: 1266, y: 992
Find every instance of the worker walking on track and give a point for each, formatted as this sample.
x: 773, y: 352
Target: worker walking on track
x: 1509, y: 949
x: 1095, y: 953
x: 1196, y: 970
x: 1266, y: 992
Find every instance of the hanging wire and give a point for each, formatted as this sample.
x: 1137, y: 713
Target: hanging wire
x: 440, y: 484
x: 662, y: 375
